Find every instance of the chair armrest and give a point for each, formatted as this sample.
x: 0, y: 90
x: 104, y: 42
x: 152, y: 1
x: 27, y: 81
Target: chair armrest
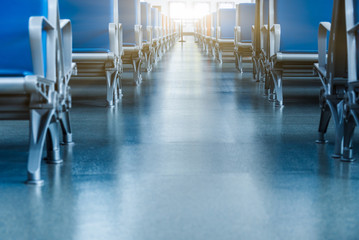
x: 253, y: 36
x: 264, y: 34
x: 66, y: 33
x: 149, y: 34
x: 120, y: 37
x: 352, y: 30
x: 36, y: 27
x: 274, y: 40
x: 324, y: 29
x: 237, y: 35
x: 138, y: 35
x: 116, y: 39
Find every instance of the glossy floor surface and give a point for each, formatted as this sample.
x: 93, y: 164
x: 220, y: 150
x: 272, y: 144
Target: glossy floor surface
x: 196, y: 152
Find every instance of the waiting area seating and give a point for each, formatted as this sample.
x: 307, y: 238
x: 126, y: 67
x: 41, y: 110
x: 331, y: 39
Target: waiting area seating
x: 97, y: 43
x: 293, y: 47
x: 155, y: 34
x: 41, y: 53
x: 351, y: 99
x: 332, y: 71
x: 130, y: 15
x: 245, y: 13
x: 35, y: 69
x: 225, y: 34
x: 147, y: 49
x: 213, y: 34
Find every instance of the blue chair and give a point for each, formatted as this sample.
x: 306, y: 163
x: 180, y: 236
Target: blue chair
x: 196, y: 31
x: 147, y: 30
x: 35, y: 65
x: 165, y: 33
x: 155, y: 31
x: 225, y: 33
x: 263, y: 59
x: 97, y: 42
x: 256, y: 41
x: 130, y: 16
x: 245, y: 19
x: 203, y: 32
x: 213, y: 34
x: 161, y: 33
x: 207, y: 36
x: 332, y: 71
x: 293, y: 39
x: 172, y: 28
x: 351, y: 102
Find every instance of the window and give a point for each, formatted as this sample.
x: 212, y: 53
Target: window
x: 177, y: 10
x: 226, y: 5
x: 201, y: 9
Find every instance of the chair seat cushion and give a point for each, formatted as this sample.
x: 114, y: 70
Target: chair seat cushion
x: 14, y: 73
x: 90, y: 50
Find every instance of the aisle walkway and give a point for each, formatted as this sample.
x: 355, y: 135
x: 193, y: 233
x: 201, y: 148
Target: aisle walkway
x: 194, y: 153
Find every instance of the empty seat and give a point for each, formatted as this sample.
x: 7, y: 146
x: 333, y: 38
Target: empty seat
x: 225, y: 33
x: 156, y: 34
x: 97, y: 42
x: 213, y: 33
x: 256, y: 39
x: 160, y: 50
x: 208, y: 38
x: 332, y: 70
x: 351, y: 119
x: 293, y: 39
x: 261, y: 59
x: 147, y: 49
x: 34, y: 76
x: 245, y: 19
x: 130, y: 16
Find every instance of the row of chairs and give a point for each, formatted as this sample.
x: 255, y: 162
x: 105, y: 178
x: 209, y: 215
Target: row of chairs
x: 307, y: 41
x: 227, y: 33
x: 40, y: 53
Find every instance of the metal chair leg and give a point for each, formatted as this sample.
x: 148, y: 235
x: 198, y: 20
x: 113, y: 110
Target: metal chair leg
x: 111, y: 82
x: 39, y: 124
x: 65, y: 124
x: 349, y: 127
x: 53, y: 144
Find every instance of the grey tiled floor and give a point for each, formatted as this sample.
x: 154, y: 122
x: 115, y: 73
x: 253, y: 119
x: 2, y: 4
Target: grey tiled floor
x: 196, y: 152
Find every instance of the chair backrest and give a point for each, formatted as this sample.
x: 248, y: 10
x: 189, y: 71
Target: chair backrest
x: 257, y: 25
x: 245, y: 18
x: 209, y: 24
x: 227, y: 22
x: 264, y: 21
x: 299, y: 21
x: 90, y: 22
x: 145, y: 18
x: 160, y: 22
x: 154, y: 21
x: 337, y: 60
x: 163, y: 21
x: 15, y: 51
x: 129, y: 16
x: 214, y: 24
x: 168, y: 25
x: 159, y: 19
